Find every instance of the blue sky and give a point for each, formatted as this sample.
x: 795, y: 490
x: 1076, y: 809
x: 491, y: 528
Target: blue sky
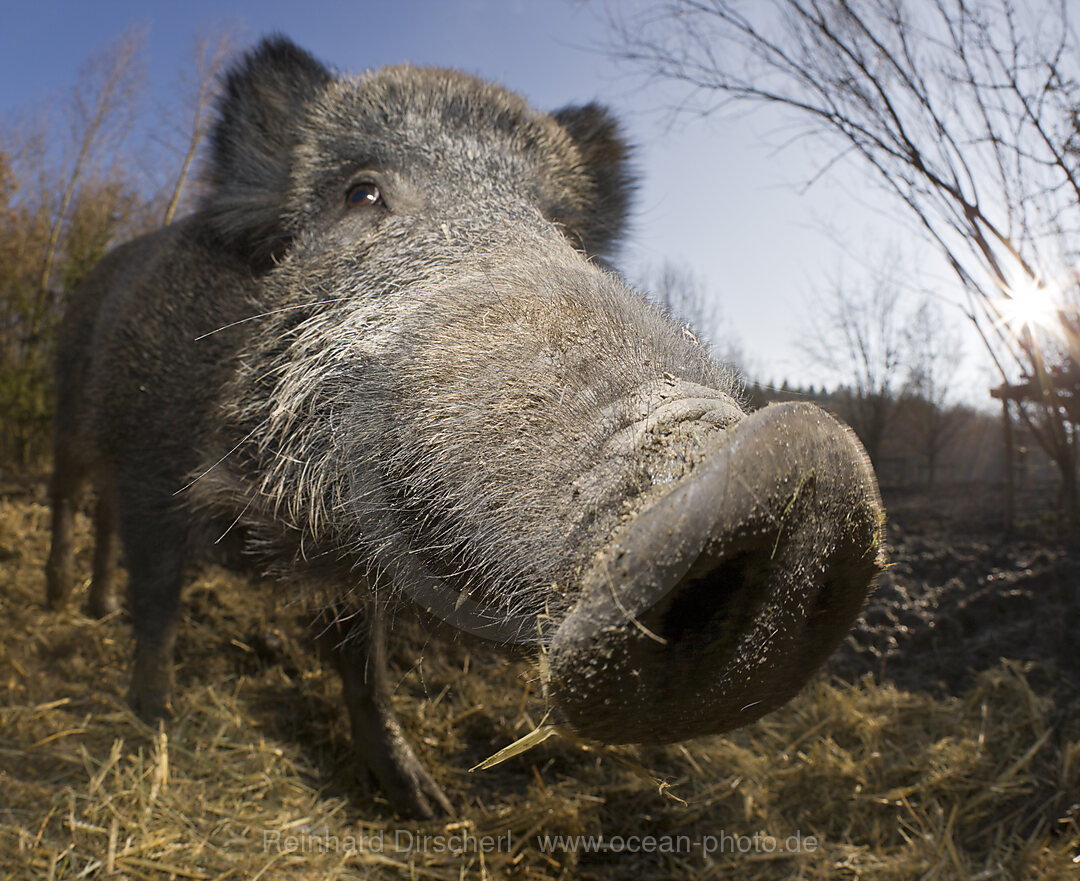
x: 717, y: 193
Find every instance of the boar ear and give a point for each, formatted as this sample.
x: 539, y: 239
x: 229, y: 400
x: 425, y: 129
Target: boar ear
x: 605, y: 157
x: 263, y: 100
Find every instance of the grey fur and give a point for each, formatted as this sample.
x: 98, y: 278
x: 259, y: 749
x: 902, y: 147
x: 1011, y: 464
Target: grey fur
x: 441, y: 395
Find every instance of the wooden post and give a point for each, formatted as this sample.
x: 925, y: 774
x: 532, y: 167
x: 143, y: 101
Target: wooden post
x: 1010, y: 491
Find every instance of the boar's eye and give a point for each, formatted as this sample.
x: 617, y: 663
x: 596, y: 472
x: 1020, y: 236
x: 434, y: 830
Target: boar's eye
x: 362, y: 194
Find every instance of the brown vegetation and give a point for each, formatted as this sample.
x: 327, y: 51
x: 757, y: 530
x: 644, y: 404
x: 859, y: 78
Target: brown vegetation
x: 68, y: 194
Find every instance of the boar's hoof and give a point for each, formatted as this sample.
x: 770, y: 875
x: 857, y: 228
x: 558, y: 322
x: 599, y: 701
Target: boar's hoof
x: 100, y: 604
x: 384, y: 751
x: 717, y: 603
x: 152, y: 682
x: 59, y: 577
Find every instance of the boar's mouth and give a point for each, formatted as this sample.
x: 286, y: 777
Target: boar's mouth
x: 717, y: 603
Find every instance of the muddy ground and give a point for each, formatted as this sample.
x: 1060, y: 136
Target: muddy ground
x: 962, y: 593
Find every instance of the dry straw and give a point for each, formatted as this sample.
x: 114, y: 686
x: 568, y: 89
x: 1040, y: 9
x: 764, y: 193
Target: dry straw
x: 251, y: 779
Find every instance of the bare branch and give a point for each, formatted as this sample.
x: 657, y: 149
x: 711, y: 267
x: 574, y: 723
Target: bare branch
x: 967, y: 111
x: 210, y: 53
x: 102, y: 106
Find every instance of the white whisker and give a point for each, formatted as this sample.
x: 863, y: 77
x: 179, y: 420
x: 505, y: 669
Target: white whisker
x: 268, y: 314
x: 237, y: 446
x: 237, y: 520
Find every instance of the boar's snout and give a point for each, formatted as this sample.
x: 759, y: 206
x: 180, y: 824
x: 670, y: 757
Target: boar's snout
x: 717, y: 603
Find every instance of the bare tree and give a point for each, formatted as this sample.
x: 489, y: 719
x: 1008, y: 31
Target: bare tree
x: 681, y: 293
x: 199, y: 88
x: 684, y: 295
x: 64, y: 199
x: 69, y: 192
x: 966, y: 111
x: 856, y: 331
x: 932, y: 354
x: 102, y: 107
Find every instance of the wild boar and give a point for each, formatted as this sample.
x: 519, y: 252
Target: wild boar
x: 386, y: 360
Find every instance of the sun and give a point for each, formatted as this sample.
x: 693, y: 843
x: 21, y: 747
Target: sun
x: 1029, y: 303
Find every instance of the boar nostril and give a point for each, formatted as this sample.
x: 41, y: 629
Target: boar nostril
x: 722, y: 599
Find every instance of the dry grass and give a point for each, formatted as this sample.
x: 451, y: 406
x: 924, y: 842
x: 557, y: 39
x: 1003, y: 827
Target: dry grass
x: 890, y: 784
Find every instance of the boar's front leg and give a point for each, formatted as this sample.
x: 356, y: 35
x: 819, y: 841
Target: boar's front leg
x: 154, y: 537
x: 357, y: 647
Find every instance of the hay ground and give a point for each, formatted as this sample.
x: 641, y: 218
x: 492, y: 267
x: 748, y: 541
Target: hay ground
x: 252, y: 778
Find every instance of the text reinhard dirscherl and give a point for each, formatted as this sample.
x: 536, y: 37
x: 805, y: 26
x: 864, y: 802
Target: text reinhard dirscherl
x: 404, y: 841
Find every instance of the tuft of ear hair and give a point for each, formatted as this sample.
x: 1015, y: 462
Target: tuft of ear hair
x: 605, y: 159
x: 263, y: 101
